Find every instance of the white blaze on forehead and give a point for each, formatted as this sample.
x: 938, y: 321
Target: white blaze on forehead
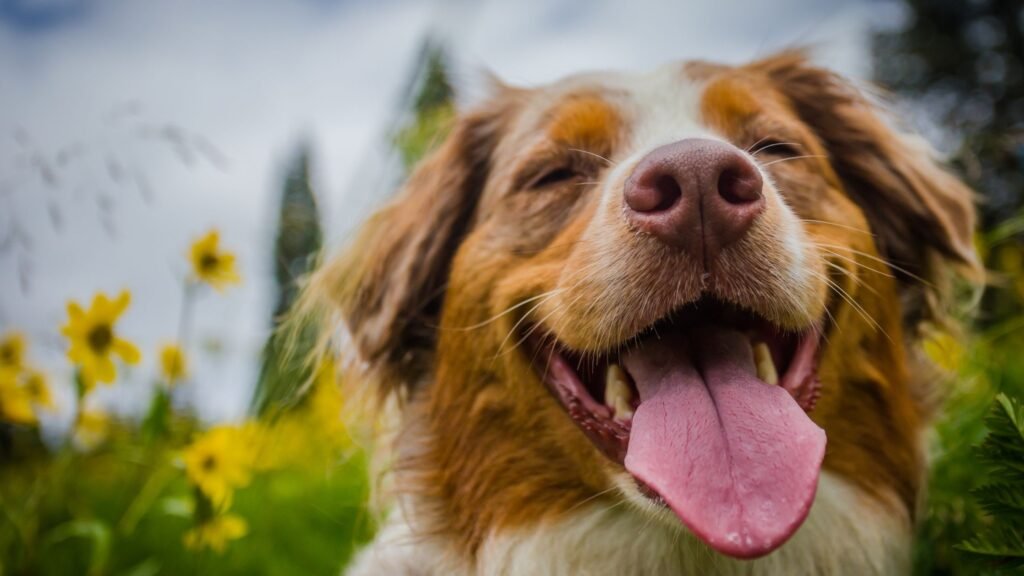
x: 667, y: 107
x: 664, y: 106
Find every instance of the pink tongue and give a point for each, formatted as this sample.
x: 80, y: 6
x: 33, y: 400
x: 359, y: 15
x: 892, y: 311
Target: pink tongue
x: 736, y: 459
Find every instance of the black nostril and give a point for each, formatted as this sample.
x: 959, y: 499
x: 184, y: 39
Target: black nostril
x: 669, y: 193
x: 739, y: 186
x: 653, y: 192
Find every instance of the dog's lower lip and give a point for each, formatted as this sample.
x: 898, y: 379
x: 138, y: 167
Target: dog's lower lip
x: 595, y: 419
x: 578, y: 380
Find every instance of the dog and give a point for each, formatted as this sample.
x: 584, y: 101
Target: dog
x: 659, y: 323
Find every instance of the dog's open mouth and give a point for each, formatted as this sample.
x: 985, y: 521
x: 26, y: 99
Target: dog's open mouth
x: 707, y: 410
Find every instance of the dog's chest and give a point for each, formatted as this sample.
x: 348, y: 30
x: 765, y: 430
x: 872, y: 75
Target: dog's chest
x: 845, y: 533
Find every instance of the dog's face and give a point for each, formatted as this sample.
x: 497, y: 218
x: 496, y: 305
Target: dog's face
x: 688, y: 290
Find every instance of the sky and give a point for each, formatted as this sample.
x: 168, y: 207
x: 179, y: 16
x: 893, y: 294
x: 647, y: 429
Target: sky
x: 128, y: 129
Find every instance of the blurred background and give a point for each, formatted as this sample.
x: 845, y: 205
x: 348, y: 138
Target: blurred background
x: 196, y: 155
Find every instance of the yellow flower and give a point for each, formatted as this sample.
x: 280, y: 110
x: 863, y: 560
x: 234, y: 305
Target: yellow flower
x: 94, y: 341
x: 218, y: 462
x: 327, y: 403
x: 12, y: 351
x: 310, y: 435
x: 36, y: 387
x: 210, y: 264
x: 173, y: 364
x: 216, y: 532
x: 15, y: 403
x: 91, y: 429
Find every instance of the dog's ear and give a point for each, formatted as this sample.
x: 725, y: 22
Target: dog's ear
x: 388, y: 284
x: 923, y: 217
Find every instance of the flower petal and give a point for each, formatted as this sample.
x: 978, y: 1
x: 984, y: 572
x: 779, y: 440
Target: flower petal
x: 76, y: 320
x: 100, y: 307
x: 15, y: 404
x: 75, y: 312
x: 122, y: 302
x: 205, y: 244
x: 105, y: 371
x: 127, y: 351
x: 234, y: 527
x: 78, y: 352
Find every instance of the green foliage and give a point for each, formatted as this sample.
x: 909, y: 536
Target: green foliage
x: 1001, y: 542
x: 435, y: 91
x: 989, y: 364
x: 424, y: 133
x: 157, y: 422
x: 433, y: 109
x: 122, y: 510
x: 285, y: 370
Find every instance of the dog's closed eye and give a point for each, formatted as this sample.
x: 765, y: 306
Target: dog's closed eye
x: 553, y: 176
x: 777, y: 148
x: 565, y: 167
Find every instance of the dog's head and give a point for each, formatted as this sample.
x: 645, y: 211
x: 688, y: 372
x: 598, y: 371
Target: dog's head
x: 665, y: 288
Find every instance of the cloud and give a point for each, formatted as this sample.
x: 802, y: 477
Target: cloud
x: 137, y: 126
x: 119, y: 89
x: 41, y: 15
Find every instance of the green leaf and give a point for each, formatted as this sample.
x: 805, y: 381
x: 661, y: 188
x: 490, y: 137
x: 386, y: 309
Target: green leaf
x: 1001, y: 543
x: 148, y: 567
x: 157, y: 421
x: 94, y: 530
x: 1001, y: 498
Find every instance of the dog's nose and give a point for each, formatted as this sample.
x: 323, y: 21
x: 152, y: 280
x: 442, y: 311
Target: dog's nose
x: 697, y: 194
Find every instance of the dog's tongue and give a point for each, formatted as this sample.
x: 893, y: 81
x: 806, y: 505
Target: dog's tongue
x: 736, y: 459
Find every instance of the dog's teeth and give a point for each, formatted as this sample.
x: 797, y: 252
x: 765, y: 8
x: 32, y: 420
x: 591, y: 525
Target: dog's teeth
x: 617, y: 394
x: 765, y: 365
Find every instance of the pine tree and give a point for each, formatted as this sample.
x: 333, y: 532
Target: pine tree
x: 299, y: 237
x: 433, y: 108
x: 298, y: 233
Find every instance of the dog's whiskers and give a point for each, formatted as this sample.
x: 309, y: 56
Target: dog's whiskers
x: 853, y: 303
x: 879, y: 260
x: 537, y: 325
x: 515, y: 327
x: 592, y: 497
x: 766, y: 164
x: 749, y: 148
x: 588, y: 152
x: 512, y: 308
x: 853, y: 277
x: 767, y: 146
x: 838, y: 225
x: 518, y: 322
x: 856, y: 263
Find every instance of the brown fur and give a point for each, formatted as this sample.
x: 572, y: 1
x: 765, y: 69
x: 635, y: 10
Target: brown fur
x: 436, y: 291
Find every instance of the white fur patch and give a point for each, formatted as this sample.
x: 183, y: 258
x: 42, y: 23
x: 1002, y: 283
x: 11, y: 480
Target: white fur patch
x: 845, y: 533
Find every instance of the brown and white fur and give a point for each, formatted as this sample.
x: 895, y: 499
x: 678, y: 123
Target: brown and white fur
x: 515, y: 224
